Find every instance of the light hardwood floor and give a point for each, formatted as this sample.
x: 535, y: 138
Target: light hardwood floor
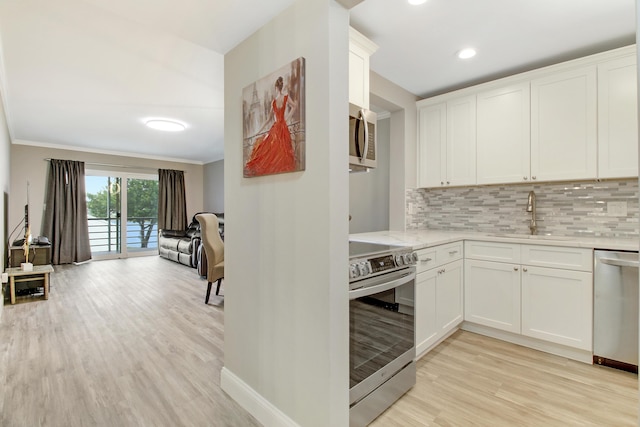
x: 472, y: 380
x: 131, y: 343
x: 118, y: 343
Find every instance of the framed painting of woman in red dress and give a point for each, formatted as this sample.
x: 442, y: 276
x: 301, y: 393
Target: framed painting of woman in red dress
x: 273, y: 119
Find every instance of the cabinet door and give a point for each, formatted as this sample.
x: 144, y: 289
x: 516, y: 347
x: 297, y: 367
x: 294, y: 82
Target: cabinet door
x: 617, y: 118
x: 504, y: 135
x: 557, y: 306
x: 432, y: 139
x: 461, y: 141
x: 425, y: 310
x: 449, y: 299
x: 358, y: 77
x: 563, y: 126
x: 492, y: 294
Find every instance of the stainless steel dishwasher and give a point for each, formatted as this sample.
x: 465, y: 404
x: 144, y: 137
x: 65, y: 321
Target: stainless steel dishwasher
x: 615, y: 309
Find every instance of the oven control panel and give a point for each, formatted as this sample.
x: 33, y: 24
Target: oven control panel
x: 362, y: 268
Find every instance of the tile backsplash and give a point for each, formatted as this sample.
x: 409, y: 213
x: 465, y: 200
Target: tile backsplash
x: 570, y: 209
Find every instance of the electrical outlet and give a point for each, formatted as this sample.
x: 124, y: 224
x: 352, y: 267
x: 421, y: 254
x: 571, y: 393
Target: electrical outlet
x: 617, y: 208
x: 5, y: 277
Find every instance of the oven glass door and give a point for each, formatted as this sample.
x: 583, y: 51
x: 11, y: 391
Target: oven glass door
x: 381, y: 330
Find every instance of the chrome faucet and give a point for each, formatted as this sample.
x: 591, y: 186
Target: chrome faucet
x: 531, y: 207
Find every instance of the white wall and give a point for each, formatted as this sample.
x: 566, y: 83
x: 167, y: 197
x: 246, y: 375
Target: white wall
x: 214, y: 187
x: 286, y: 250
x: 402, y: 156
x: 638, y: 97
x: 369, y: 192
x: 28, y: 165
x: 5, y: 179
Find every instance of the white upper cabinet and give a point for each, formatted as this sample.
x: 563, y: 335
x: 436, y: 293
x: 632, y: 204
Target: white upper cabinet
x: 432, y: 146
x: 576, y: 120
x: 564, y: 125
x: 617, y: 118
x: 360, y: 49
x: 461, y: 141
x: 503, y: 135
x: 447, y: 143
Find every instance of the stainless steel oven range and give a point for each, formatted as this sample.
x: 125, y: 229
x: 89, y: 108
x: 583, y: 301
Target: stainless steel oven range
x: 381, y: 328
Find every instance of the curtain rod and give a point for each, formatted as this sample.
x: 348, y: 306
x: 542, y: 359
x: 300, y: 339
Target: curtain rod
x: 118, y: 166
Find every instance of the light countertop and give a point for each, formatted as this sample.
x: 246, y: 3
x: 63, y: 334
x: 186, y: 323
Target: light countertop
x: 419, y: 239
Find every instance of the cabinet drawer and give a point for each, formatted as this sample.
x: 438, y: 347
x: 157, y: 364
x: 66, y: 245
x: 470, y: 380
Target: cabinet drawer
x: 426, y: 259
x: 436, y: 256
x: 448, y: 253
x: 492, y: 251
x: 580, y: 259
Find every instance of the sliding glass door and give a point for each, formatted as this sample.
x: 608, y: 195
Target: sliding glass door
x: 123, y: 214
x: 142, y: 215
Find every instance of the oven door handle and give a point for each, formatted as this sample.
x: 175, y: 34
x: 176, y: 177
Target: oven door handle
x: 385, y: 286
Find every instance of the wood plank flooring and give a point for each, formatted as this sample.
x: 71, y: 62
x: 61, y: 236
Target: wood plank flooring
x: 118, y: 343
x: 131, y: 343
x: 472, y: 380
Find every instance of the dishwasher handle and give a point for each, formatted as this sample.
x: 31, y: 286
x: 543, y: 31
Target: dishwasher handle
x: 620, y: 262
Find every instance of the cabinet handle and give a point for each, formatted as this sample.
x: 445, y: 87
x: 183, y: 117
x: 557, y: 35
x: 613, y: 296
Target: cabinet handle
x: 453, y: 252
x: 525, y: 178
x: 441, y: 182
x: 533, y: 177
x: 524, y: 269
x: 448, y: 182
x: 515, y: 268
x: 426, y: 260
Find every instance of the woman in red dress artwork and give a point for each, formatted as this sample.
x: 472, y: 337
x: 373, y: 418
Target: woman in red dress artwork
x: 273, y: 153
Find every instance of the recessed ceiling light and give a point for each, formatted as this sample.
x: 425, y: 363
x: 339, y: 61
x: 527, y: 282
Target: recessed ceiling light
x: 416, y: 2
x: 467, y: 53
x: 165, y: 125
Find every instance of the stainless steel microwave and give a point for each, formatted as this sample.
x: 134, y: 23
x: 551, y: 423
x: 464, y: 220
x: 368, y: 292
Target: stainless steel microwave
x: 362, y: 139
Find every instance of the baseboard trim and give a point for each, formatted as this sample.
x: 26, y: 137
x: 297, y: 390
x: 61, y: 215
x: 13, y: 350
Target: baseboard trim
x: 422, y: 350
x: 534, y: 343
x: 253, y: 402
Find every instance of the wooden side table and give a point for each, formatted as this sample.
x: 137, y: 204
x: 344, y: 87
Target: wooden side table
x: 16, y: 274
x: 38, y: 255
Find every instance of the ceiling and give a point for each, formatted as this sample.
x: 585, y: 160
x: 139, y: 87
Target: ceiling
x: 418, y: 44
x: 86, y: 74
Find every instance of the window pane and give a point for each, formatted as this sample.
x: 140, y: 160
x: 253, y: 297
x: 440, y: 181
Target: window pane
x: 103, y: 209
x: 142, y: 214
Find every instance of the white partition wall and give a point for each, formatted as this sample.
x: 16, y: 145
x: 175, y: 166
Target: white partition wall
x: 286, y: 278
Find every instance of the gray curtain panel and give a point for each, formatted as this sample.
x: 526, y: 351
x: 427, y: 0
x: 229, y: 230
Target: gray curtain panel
x: 172, y: 200
x: 65, y: 216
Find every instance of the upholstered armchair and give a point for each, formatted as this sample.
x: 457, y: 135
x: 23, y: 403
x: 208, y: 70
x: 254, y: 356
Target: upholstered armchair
x: 214, y: 250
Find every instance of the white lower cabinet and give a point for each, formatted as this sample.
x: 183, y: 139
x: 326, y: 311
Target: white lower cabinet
x: 439, y: 303
x: 426, y: 327
x: 449, y: 284
x: 492, y: 294
x: 522, y: 296
x: 557, y: 306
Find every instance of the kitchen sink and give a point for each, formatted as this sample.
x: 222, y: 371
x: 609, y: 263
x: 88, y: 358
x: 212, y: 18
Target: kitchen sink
x: 530, y: 236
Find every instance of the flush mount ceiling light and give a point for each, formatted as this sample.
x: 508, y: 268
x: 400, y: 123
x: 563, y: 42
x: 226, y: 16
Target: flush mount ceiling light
x: 467, y: 53
x: 416, y: 2
x: 165, y: 125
